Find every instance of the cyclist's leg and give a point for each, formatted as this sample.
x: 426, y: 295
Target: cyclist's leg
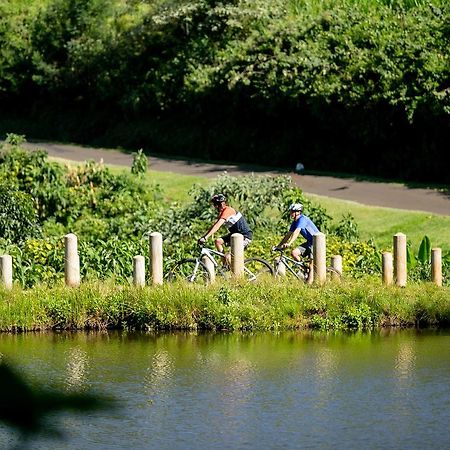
x: 220, y: 243
x: 305, y: 251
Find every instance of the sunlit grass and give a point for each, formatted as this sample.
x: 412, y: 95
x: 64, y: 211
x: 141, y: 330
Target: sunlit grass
x: 381, y: 224
x: 280, y: 305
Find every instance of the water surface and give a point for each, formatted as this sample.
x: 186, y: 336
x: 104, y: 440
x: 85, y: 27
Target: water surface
x: 386, y: 389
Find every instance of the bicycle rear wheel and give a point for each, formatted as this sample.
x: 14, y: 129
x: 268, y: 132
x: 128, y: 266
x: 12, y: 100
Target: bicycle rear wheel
x: 333, y: 274
x: 257, y: 268
x: 190, y: 270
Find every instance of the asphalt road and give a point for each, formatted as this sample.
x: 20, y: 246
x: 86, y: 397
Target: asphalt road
x: 390, y: 195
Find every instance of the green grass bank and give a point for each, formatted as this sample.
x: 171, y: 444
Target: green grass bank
x: 237, y: 306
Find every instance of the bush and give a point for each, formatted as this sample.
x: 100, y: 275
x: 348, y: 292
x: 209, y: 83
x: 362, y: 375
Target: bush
x: 17, y: 215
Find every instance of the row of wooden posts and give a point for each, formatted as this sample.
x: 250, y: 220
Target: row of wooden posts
x: 394, y: 266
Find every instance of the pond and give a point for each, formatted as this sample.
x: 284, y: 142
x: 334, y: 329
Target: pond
x: 386, y: 389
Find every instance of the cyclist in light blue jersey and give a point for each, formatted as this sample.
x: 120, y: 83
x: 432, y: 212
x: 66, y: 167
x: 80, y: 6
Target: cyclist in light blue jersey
x: 301, y: 225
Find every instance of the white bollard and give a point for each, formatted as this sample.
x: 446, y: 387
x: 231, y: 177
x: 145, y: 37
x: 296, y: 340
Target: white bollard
x: 71, y: 261
x: 211, y: 269
x: 336, y: 264
x: 400, y: 268
x: 139, y: 271
x: 280, y: 268
x: 436, y: 266
x: 156, y: 258
x: 320, y: 258
x: 387, y: 268
x: 6, y: 272
x: 237, y: 254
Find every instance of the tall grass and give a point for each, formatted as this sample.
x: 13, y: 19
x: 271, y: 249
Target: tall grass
x: 357, y: 304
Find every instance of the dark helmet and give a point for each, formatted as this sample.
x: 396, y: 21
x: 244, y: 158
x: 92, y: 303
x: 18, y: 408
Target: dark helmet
x: 296, y: 207
x: 217, y: 199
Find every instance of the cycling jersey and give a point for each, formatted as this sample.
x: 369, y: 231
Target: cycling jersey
x: 235, y: 222
x: 307, y: 228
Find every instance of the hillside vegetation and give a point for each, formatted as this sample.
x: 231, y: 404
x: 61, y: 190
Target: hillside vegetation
x: 112, y: 213
x: 342, y: 85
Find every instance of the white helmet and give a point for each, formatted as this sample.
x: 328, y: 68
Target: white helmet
x: 296, y: 207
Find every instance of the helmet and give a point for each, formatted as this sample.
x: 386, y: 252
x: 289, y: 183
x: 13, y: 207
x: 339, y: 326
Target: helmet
x: 296, y: 207
x: 218, y: 198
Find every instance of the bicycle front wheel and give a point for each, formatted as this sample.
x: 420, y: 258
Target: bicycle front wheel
x: 257, y: 268
x: 190, y: 270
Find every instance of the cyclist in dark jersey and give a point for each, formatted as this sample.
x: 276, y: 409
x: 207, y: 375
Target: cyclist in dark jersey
x: 232, y: 219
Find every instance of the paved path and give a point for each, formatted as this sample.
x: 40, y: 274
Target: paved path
x: 369, y: 193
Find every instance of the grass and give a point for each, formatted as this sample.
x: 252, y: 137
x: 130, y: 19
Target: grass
x: 355, y: 304
x: 381, y: 224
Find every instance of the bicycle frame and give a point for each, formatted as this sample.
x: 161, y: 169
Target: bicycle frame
x: 289, y: 263
x: 209, y: 253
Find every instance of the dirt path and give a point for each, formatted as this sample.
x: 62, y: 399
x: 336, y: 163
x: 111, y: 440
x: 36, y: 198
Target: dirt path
x: 370, y: 193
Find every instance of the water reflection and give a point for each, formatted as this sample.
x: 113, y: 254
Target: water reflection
x: 286, y: 390
x: 325, y: 368
x: 77, y: 367
x: 159, y: 375
x: 405, y: 361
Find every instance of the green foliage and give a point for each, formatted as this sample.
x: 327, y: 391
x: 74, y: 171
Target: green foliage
x: 419, y: 264
x: 424, y: 254
x: 17, y: 217
x: 112, y: 216
x: 140, y: 163
x: 356, y: 304
x: 332, y: 81
x: 347, y: 229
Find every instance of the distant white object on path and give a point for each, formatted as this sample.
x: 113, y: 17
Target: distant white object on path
x: 299, y: 168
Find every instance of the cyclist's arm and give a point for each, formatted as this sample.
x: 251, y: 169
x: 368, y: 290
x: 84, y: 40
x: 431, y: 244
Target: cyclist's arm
x: 290, y: 237
x: 214, y: 228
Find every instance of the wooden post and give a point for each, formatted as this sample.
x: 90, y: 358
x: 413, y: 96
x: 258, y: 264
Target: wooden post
x: 387, y: 268
x: 139, y: 271
x: 211, y: 269
x: 71, y: 261
x: 400, y: 272
x: 320, y: 258
x: 436, y: 266
x: 336, y: 264
x: 6, y: 272
x: 156, y: 258
x: 280, y: 268
x: 237, y: 254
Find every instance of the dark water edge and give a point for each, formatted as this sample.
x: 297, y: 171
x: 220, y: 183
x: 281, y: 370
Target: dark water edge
x: 380, y: 389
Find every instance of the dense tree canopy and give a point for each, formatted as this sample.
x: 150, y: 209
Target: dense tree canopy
x: 331, y: 83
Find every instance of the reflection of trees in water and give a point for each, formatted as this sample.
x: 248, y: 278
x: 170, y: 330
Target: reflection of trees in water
x: 77, y: 365
x: 325, y: 372
x: 405, y: 362
x: 159, y: 376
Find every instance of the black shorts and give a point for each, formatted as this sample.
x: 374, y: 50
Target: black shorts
x: 227, y: 240
x: 305, y: 250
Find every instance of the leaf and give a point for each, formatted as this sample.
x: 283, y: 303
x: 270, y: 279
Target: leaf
x: 424, y: 254
x: 410, y: 259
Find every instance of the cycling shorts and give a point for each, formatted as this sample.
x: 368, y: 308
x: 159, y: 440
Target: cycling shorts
x: 227, y: 240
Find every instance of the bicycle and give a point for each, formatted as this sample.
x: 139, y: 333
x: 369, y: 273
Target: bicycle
x: 194, y: 270
x: 287, y: 266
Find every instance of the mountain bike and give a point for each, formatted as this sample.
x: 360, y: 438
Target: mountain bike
x: 194, y: 270
x: 289, y: 267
